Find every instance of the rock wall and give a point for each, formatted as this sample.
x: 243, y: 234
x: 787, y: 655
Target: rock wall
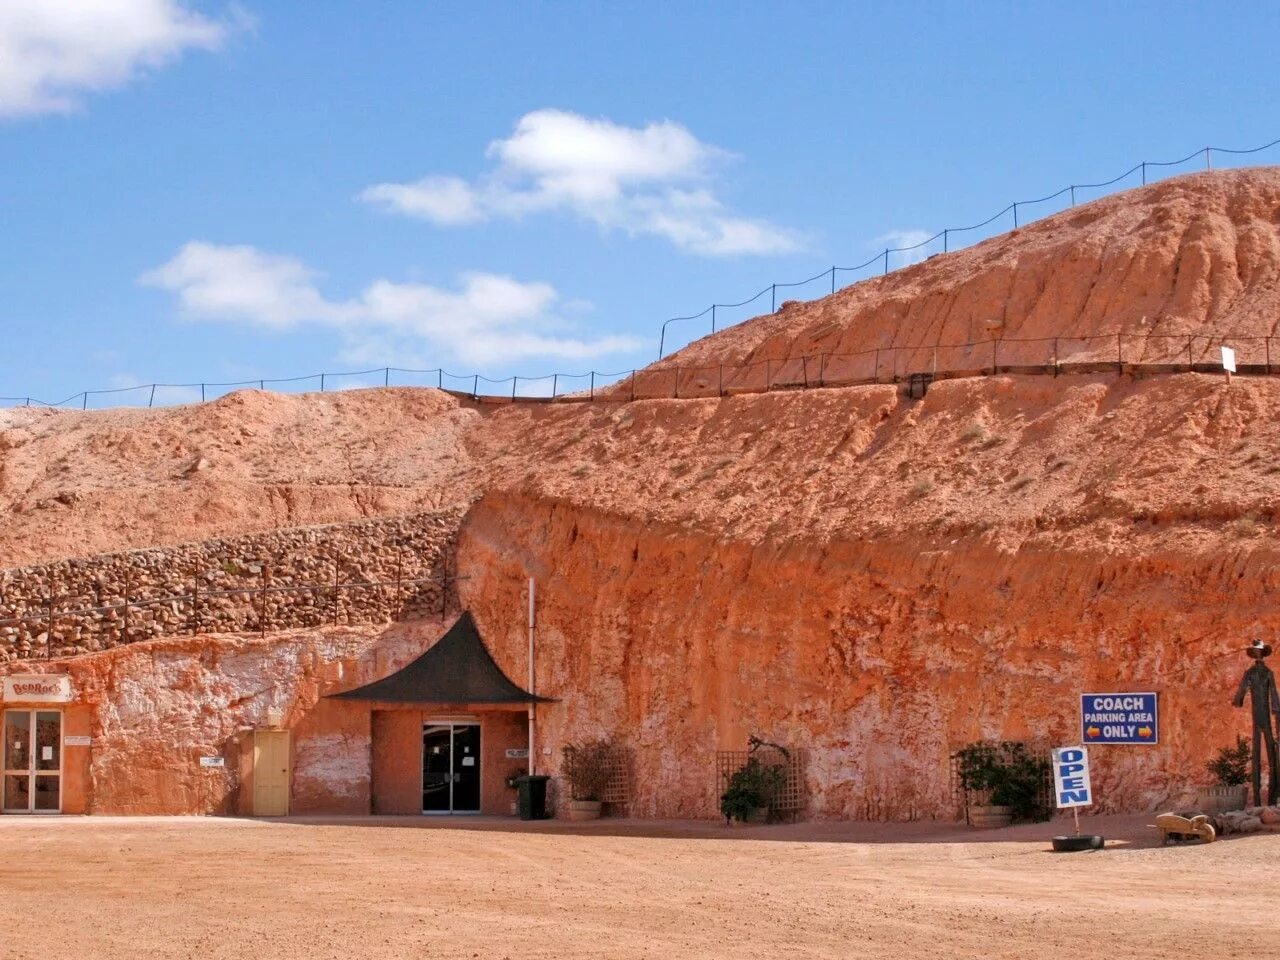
x: 879, y: 655
x: 271, y: 581
x: 155, y: 708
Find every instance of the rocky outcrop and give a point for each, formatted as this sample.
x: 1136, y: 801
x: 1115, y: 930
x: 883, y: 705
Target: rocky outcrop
x: 1194, y: 254
x: 264, y: 582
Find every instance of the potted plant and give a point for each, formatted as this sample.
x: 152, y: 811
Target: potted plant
x: 1008, y: 778
x: 512, y: 782
x: 588, y: 767
x: 750, y: 790
x: 1230, y: 769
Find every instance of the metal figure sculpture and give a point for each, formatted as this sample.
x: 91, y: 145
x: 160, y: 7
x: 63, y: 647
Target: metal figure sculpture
x: 1260, y: 684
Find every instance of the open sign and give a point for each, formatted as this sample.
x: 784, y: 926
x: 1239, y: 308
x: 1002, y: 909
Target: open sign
x: 1071, y: 786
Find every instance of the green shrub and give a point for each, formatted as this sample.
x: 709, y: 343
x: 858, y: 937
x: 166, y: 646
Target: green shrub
x: 1231, y: 766
x: 1010, y: 776
x: 752, y: 786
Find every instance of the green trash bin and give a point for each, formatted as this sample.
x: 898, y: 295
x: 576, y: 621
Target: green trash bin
x: 531, y: 797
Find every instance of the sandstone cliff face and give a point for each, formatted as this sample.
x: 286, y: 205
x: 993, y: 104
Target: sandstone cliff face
x: 155, y: 708
x: 877, y: 579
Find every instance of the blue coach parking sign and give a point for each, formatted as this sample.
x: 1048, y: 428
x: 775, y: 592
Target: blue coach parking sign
x: 1119, y: 718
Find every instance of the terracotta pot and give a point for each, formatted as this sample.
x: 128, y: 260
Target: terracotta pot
x: 1219, y: 799
x: 990, y: 817
x: 584, y: 809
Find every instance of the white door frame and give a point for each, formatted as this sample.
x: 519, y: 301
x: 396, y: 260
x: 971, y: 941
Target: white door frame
x: 31, y: 772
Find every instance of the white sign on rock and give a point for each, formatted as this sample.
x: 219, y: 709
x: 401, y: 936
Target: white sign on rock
x: 38, y: 688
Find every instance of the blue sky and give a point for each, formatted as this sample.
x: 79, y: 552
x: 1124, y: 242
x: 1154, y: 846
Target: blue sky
x: 221, y: 192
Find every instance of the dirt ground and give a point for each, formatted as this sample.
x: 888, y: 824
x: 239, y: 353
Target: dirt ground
x: 102, y: 888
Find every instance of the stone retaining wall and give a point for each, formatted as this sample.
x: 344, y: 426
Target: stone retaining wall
x: 300, y: 577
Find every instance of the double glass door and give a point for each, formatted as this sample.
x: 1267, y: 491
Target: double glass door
x: 451, y: 768
x: 32, y: 761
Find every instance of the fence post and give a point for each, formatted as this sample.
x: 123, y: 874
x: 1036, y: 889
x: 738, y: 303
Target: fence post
x: 202, y: 393
x: 833, y: 279
x: 386, y: 376
x: 1073, y: 194
x: 262, y: 384
x: 475, y: 387
x: 322, y: 383
x: 1015, y: 215
x: 945, y: 231
x: 886, y: 262
x: 1207, y: 164
x: 513, y: 386
x: 84, y: 403
x: 439, y: 378
x: 1144, y: 173
x: 713, y: 318
x: 555, y: 382
x: 152, y: 400
x: 773, y: 298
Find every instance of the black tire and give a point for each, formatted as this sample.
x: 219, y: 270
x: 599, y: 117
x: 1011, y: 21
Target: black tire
x: 1089, y: 841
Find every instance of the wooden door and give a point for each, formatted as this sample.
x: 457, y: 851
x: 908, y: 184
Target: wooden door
x: 270, y: 773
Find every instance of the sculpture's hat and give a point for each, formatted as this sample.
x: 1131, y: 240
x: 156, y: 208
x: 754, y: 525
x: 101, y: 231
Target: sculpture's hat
x: 1258, y: 650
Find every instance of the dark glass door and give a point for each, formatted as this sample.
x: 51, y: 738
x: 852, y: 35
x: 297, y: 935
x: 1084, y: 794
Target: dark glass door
x: 437, y: 768
x: 466, y: 769
x: 451, y: 768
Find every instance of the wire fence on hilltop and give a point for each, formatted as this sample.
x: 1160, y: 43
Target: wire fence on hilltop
x: 593, y: 384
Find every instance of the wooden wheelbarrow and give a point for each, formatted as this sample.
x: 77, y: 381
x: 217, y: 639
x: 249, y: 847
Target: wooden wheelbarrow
x: 1176, y: 828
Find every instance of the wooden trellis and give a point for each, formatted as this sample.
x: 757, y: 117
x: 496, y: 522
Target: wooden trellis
x: 964, y: 799
x: 617, y: 789
x: 789, y: 799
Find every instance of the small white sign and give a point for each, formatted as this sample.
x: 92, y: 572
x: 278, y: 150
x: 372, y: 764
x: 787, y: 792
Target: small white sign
x: 468, y: 761
x: 46, y: 753
x: 212, y: 762
x: 517, y: 753
x: 38, y: 688
x: 1071, y: 777
x: 76, y: 741
x: 1228, y: 360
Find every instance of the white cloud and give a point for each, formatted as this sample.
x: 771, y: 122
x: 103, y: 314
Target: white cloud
x: 642, y: 180
x: 486, y: 318
x: 908, y: 245
x: 53, y: 51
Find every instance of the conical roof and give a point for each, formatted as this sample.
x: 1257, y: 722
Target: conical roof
x: 457, y: 669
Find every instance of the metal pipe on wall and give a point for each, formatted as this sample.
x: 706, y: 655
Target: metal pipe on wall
x: 532, y: 692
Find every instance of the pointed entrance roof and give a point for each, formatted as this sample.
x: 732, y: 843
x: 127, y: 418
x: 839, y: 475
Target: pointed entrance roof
x: 458, y: 669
